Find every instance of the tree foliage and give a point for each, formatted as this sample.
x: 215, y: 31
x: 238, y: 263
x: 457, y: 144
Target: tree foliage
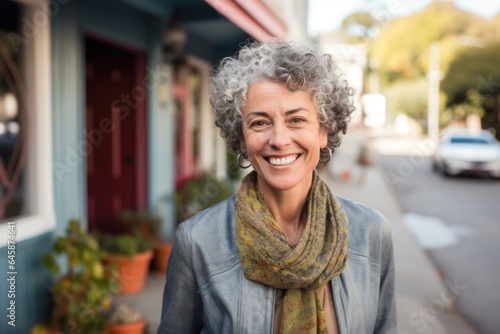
x: 472, y: 105
x: 469, y: 61
x: 402, y: 49
x: 360, y: 27
x: 399, y: 100
x: 472, y: 84
x: 474, y: 68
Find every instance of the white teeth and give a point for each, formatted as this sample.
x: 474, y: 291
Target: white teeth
x: 282, y: 161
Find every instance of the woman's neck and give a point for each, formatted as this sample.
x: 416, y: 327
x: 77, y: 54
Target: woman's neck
x: 288, y: 208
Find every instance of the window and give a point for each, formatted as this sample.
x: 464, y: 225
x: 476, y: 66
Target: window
x: 26, y: 118
x: 469, y: 140
x: 13, y: 117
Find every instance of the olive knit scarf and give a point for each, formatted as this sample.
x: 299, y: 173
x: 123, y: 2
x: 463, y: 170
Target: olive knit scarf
x: 268, y: 257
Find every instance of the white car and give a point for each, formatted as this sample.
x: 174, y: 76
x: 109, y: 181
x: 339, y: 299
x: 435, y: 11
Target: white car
x: 465, y: 151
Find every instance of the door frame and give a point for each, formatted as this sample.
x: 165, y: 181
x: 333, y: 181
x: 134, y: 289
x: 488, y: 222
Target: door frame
x: 141, y: 147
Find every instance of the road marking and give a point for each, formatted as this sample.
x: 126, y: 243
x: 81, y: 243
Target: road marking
x: 432, y: 233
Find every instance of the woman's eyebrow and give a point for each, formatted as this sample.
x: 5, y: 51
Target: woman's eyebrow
x: 296, y: 110
x: 258, y: 113
x: 265, y: 114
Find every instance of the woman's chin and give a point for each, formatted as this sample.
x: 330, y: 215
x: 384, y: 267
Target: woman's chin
x: 277, y: 182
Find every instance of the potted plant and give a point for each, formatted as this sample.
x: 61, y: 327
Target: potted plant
x: 148, y: 226
x: 125, y: 320
x: 131, y: 255
x: 193, y: 196
x: 81, y: 295
x: 162, y: 254
x: 44, y: 329
x: 234, y: 174
x: 200, y: 193
x: 141, y: 222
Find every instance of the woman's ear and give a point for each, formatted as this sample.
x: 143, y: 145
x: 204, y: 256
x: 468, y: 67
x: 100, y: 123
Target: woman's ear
x: 243, y: 145
x: 323, y: 139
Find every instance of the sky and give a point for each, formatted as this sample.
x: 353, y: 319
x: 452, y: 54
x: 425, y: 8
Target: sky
x: 326, y: 15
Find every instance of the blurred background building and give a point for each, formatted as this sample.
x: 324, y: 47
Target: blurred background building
x: 105, y: 107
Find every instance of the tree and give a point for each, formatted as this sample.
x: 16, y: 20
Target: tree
x: 408, y: 97
x: 402, y: 46
x: 475, y: 69
x: 458, y: 113
x: 360, y: 27
x: 471, y: 80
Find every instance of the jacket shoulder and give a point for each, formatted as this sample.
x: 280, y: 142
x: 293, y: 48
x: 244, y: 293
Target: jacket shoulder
x: 210, y: 219
x: 360, y: 211
x: 368, y: 229
x: 209, y: 237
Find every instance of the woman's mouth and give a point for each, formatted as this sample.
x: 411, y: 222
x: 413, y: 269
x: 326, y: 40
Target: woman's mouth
x: 282, y: 161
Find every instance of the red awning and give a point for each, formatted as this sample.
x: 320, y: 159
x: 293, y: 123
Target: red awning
x: 253, y: 17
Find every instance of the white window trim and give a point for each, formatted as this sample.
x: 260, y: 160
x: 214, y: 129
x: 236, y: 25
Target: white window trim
x: 38, y: 172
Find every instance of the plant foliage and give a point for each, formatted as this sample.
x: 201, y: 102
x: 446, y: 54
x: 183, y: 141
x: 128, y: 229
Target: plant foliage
x: 81, y: 295
x: 201, y: 193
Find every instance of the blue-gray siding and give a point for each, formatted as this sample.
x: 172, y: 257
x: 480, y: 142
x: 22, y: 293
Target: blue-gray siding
x: 31, y: 285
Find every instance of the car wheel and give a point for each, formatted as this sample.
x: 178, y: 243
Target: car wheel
x: 450, y: 171
x: 495, y: 175
x: 444, y: 172
x: 435, y: 166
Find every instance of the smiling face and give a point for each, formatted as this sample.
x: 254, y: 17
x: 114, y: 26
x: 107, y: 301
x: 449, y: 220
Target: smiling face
x: 282, y: 136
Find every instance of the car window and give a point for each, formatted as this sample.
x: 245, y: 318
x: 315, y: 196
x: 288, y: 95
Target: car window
x: 468, y: 140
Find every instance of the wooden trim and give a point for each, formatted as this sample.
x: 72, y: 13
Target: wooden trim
x: 116, y: 151
x: 39, y: 169
x: 142, y: 138
x: 258, y: 11
x: 234, y: 13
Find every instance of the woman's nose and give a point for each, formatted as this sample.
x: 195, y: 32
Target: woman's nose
x: 279, y: 136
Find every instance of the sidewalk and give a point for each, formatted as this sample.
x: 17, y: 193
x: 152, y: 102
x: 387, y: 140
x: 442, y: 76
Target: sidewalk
x: 424, y: 299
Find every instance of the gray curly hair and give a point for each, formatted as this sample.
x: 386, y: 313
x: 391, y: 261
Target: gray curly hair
x: 300, y: 67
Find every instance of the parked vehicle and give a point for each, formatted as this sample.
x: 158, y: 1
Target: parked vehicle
x: 465, y: 151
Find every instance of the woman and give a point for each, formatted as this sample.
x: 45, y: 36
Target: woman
x: 284, y: 255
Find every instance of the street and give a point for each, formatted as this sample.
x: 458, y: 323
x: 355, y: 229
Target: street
x: 457, y: 220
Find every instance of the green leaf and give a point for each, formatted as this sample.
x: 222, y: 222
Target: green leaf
x: 50, y: 263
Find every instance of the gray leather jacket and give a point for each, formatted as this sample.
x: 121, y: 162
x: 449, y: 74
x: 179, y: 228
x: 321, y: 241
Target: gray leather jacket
x: 206, y: 291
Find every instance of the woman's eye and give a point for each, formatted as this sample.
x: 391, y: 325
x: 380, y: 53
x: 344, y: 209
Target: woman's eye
x: 297, y: 120
x: 257, y: 124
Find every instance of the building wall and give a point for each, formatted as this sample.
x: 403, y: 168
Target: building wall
x: 130, y: 27
x: 32, y: 283
x: 68, y: 24
x: 32, y: 236
x: 352, y: 60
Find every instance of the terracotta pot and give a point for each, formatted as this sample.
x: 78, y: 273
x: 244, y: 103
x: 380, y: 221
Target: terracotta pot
x: 132, y: 272
x: 42, y: 329
x: 162, y: 253
x: 134, y: 328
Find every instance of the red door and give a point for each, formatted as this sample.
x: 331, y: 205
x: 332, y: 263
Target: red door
x: 115, y: 117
